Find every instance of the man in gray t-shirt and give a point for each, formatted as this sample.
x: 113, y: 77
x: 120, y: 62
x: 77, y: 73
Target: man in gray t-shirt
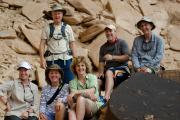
x: 113, y: 57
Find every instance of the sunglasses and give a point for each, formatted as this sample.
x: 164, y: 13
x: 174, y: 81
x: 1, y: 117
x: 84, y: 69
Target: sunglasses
x: 57, y: 36
x: 147, y: 46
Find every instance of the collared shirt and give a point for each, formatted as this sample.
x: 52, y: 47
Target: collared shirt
x: 120, y: 47
x: 91, y: 82
x: 47, y: 92
x: 147, y: 54
x: 58, y: 46
x: 20, y: 97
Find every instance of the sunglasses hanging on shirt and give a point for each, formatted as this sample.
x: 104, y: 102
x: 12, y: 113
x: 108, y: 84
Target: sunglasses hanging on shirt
x: 147, y: 46
x: 57, y: 36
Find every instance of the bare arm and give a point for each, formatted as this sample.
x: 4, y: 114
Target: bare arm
x: 41, y: 53
x: 72, y: 46
x: 120, y: 58
x: 85, y: 91
x: 74, y: 94
x: 101, y: 69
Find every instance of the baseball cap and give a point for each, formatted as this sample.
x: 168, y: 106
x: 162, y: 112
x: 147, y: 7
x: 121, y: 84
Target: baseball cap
x: 24, y: 64
x: 111, y: 27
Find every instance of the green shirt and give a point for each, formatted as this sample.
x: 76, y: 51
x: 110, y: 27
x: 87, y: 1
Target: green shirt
x: 91, y: 82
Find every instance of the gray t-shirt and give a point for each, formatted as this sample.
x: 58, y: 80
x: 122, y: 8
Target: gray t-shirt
x: 120, y: 47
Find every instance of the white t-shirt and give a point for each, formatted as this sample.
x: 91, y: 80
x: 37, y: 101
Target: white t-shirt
x: 58, y: 43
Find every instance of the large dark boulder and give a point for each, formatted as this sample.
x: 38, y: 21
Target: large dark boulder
x: 143, y: 96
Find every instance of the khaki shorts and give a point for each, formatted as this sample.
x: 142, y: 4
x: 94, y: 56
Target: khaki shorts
x: 93, y: 106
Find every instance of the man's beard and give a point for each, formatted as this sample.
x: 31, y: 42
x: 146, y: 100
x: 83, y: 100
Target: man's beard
x: 109, y: 38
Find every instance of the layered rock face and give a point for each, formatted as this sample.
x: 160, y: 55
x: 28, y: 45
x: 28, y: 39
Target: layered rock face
x: 22, y: 21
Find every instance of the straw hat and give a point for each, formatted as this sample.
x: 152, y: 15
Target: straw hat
x: 57, y: 7
x: 53, y: 67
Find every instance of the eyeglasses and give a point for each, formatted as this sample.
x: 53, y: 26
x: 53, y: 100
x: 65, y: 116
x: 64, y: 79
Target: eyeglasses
x: 57, y: 36
x: 147, y: 46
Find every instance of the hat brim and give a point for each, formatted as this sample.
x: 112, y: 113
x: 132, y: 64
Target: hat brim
x: 106, y: 28
x: 48, y: 16
x: 23, y: 67
x: 139, y: 23
x: 47, y: 74
x: 61, y: 10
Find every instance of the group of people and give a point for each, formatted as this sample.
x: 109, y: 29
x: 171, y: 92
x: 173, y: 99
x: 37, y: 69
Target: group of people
x: 71, y: 85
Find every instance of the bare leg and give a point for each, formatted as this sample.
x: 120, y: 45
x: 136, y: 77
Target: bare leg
x: 100, y: 83
x: 85, y: 107
x: 60, y: 113
x: 80, y: 108
x: 109, y: 84
x: 72, y: 114
x: 91, y: 108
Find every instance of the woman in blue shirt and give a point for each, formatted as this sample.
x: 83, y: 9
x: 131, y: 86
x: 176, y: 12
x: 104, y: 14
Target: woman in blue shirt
x: 148, y: 49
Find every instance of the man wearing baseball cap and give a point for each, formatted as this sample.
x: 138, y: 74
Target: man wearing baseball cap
x: 113, y: 57
x: 148, y: 49
x: 22, y: 99
x: 59, y: 39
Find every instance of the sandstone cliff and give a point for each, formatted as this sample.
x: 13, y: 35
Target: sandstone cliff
x: 22, y: 20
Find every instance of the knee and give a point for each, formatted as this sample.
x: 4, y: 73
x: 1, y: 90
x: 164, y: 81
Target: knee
x: 109, y: 74
x: 100, y: 83
x: 59, y: 106
x: 80, y: 100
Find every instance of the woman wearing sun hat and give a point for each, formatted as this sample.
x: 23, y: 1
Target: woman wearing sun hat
x: 22, y: 99
x: 54, y: 96
x: 148, y: 49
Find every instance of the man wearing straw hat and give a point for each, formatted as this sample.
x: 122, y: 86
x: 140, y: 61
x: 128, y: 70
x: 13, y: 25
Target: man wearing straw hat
x: 59, y: 39
x: 148, y: 49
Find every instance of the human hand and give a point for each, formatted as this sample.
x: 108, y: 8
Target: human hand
x: 30, y: 110
x: 100, y: 75
x: 3, y: 99
x: 8, y: 107
x: 70, y: 99
x: 141, y: 69
x: 58, y: 105
x: 42, y: 116
x: 43, y: 63
x: 108, y: 57
x: 93, y: 97
x: 24, y: 115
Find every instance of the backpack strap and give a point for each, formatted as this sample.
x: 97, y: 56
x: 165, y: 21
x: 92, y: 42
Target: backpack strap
x: 55, y: 94
x: 63, y: 27
x: 51, y: 30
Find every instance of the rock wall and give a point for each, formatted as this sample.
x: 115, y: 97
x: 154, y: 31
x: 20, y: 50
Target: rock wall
x: 22, y: 20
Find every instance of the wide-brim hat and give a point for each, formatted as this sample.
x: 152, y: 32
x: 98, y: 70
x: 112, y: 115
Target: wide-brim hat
x: 24, y: 64
x: 54, y: 67
x: 146, y: 19
x: 57, y: 7
x: 111, y: 27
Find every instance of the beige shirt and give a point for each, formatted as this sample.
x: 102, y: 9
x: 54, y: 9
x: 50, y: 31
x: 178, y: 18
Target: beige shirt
x: 58, y: 46
x: 20, y: 97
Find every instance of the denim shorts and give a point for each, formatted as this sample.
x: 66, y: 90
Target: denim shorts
x: 50, y: 116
